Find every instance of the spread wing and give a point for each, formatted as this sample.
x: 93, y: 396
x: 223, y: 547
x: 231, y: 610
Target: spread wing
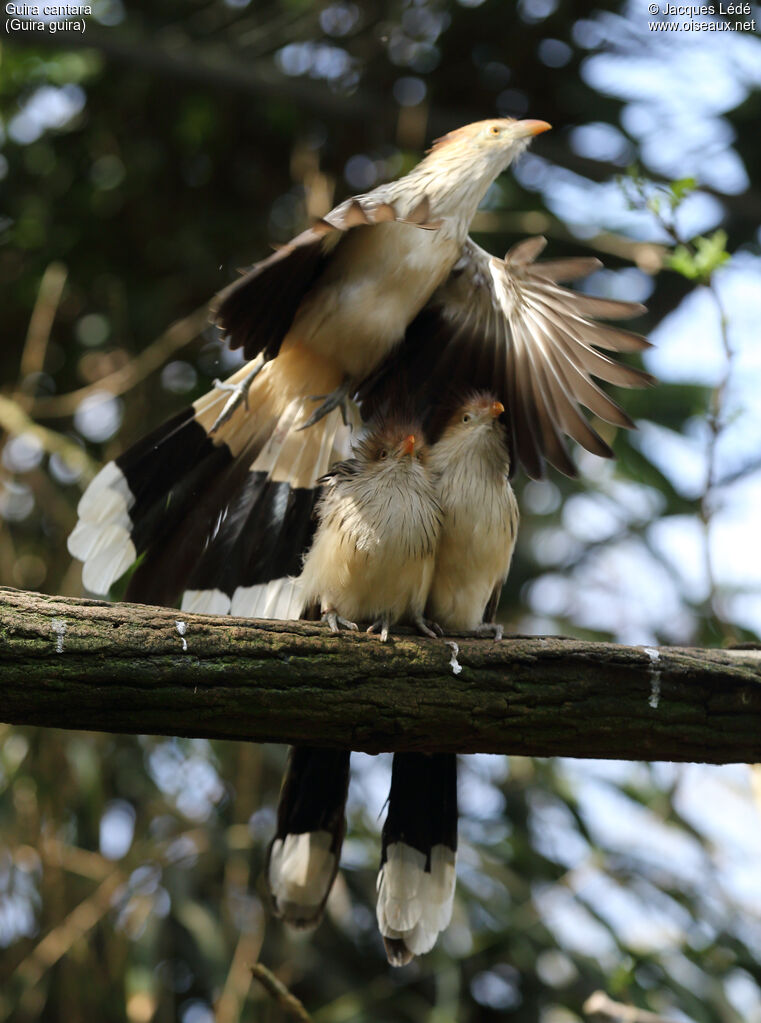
x: 507, y: 326
x: 256, y: 311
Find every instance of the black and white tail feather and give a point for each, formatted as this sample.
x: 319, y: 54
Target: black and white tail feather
x: 219, y: 520
x: 416, y: 881
x: 303, y: 857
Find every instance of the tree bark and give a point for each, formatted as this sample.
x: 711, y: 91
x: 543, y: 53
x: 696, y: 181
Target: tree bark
x: 87, y: 664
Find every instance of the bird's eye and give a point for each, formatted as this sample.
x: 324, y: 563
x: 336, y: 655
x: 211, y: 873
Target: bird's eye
x: 495, y: 130
x: 467, y: 417
x: 382, y: 454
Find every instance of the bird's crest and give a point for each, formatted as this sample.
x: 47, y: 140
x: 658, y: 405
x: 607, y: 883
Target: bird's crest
x: 467, y: 131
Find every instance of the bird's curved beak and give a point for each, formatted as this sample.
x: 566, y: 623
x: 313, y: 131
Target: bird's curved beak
x: 497, y: 408
x: 526, y: 129
x: 408, y: 445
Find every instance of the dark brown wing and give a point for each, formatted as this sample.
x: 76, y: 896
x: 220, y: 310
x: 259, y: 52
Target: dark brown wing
x: 505, y: 325
x: 256, y: 311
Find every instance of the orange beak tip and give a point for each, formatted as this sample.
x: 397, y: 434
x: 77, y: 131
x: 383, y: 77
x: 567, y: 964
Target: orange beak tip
x: 497, y: 408
x: 408, y: 445
x: 534, y: 127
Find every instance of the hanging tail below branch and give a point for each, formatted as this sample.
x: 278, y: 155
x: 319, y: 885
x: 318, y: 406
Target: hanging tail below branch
x: 302, y: 858
x: 416, y: 881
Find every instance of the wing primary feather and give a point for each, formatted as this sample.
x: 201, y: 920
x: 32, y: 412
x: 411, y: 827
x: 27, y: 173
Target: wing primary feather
x: 547, y: 412
x: 587, y: 393
x: 593, y: 361
x: 611, y: 338
x: 571, y: 419
x: 524, y: 252
x: 526, y: 439
x: 590, y: 305
x: 571, y: 269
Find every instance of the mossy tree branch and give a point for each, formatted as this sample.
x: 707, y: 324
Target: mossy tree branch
x: 88, y: 664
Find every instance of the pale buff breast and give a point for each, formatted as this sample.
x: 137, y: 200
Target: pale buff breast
x: 373, y: 553
x: 364, y: 584
x: 377, y: 282
x: 474, y: 553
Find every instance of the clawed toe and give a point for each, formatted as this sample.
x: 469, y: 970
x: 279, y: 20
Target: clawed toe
x: 238, y: 395
x: 490, y: 630
x: 336, y: 622
x: 428, y: 628
x: 336, y: 399
x: 381, y: 626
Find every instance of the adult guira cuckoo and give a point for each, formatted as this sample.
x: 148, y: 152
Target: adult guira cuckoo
x: 386, y: 294
x: 388, y: 286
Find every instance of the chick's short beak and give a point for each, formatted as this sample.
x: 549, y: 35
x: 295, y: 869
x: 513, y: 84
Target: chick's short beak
x: 497, y: 408
x: 524, y: 129
x: 408, y: 445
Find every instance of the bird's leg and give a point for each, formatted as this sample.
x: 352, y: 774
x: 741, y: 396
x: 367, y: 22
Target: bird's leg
x: 427, y: 627
x: 336, y: 399
x: 335, y: 621
x: 382, y: 625
x: 238, y: 393
x: 486, y: 629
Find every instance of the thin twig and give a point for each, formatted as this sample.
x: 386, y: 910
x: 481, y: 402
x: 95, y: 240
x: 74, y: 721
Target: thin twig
x: 277, y: 989
x: 56, y: 943
x: 600, y: 1004
x: 14, y: 419
x: 716, y: 424
x: 715, y: 420
x: 229, y: 1005
x: 40, y: 325
x: 150, y: 359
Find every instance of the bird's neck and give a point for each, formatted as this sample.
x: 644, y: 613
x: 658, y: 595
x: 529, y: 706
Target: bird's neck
x: 459, y: 458
x: 454, y: 189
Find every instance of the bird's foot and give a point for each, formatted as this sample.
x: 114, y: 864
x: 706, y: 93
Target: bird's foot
x: 490, y: 629
x: 335, y: 621
x: 382, y: 626
x: 427, y: 627
x: 238, y: 393
x: 336, y: 399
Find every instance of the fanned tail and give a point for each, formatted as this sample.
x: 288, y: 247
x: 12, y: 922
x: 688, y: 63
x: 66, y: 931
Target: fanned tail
x: 416, y: 881
x: 303, y: 857
x: 219, y: 518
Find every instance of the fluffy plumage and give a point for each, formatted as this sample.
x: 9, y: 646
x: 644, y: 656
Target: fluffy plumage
x: 378, y: 523
x: 470, y: 465
x: 371, y: 559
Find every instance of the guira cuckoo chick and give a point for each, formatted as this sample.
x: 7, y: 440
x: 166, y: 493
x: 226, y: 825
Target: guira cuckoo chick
x: 470, y: 464
x: 372, y: 560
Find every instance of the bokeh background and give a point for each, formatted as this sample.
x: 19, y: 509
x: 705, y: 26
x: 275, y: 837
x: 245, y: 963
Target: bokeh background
x: 145, y: 159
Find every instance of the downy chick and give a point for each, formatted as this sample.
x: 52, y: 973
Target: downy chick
x: 471, y: 464
x: 372, y: 558
x: 416, y: 882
